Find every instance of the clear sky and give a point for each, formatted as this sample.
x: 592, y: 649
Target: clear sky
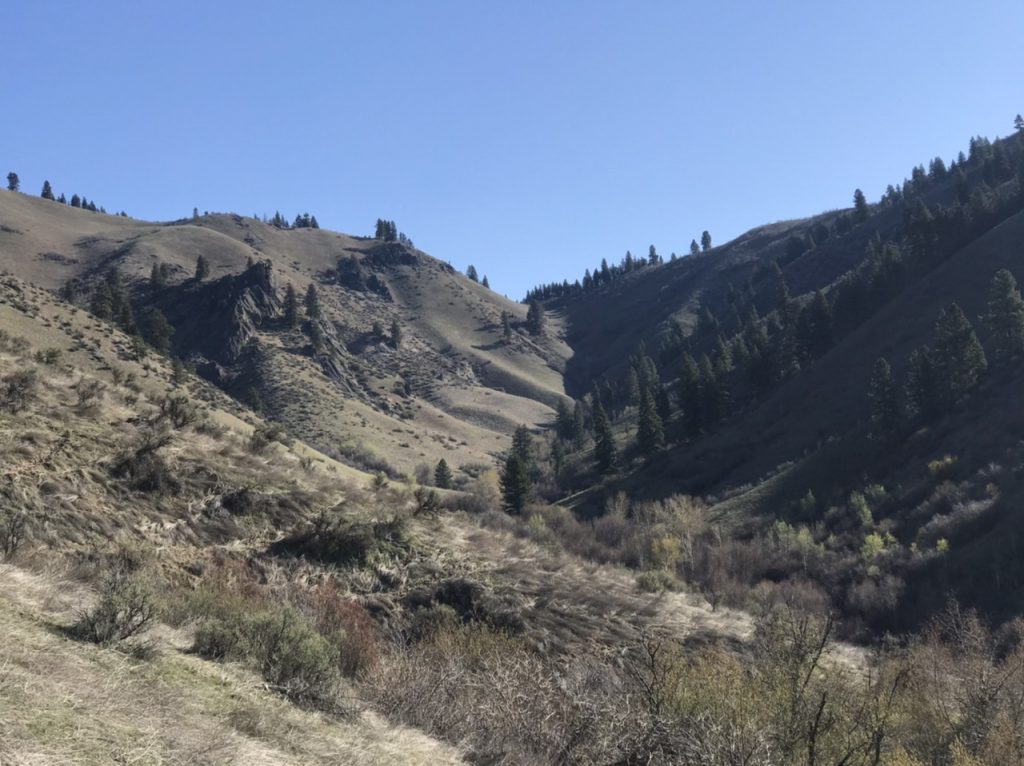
x: 530, y: 139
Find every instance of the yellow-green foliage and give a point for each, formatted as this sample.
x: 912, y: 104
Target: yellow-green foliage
x: 942, y: 468
x: 859, y: 506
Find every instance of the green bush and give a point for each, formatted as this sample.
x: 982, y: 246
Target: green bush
x: 285, y: 648
x: 656, y: 581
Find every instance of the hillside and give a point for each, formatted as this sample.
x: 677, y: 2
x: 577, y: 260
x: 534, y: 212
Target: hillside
x: 454, y: 387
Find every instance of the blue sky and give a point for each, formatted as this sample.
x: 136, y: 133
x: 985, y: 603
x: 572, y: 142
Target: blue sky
x: 529, y: 139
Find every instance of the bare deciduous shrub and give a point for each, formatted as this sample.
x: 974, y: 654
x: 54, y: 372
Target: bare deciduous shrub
x: 126, y: 605
x: 427, y: 501
x: 90, y: 392
x: 13, y: 527
x: 142, y: 465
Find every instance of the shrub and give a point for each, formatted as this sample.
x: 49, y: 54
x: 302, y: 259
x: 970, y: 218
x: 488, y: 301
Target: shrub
x: 337, y: 540
x: 49, y: 356
x: 656, y: 581
x: 427, y: 501
x: 126, y: 606
x: 266, y: 433
x: 13, y: 525
x: 298, y: 661
x: 17, y: 389
x: 89, y: 391
x: 178, y: 411
x: 143, y: 467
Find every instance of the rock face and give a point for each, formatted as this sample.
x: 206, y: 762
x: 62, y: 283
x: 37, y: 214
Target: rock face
x: 215, y: 321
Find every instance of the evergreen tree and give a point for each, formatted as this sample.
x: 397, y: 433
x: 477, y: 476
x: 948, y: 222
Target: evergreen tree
x: 522, y: 445
x: 76, y: 201
x: 650, y: 434
x: 563, y: 420
x: 885, y: 406
x: 664, y: 404
x: 158, y: 330
x: 471, y: 273
x: 316, y: 337
x: 959, y: 357
x: 396, y: 333
x: 705, y: 241
x: 102, y: 305
x: 1018, y: 123
x: 13, y: 182
x: 921, y: 385
x: 710, y: 393
x: 694, y: 247
x: 312, y: 302
x: 860, y: 206
x: 47, y: 192
x: 578, y: 425
x: 535, y: 319
x: 485, y: 283
x: 690, y: 394
x: 506, y: 326
x: 157, y: 277
x: 1005, y: 317
x: 557, y: 458
x: 604, y: 441
x: 202, y: 268
x: 516, y: 486
x: 443, y: 475
x: 291, y: 306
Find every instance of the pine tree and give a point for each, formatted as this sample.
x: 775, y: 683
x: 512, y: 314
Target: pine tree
x: 578, y: 424
x: 47, y: 192
x: 860, y: 206
x: 921, y: 385
x: 690, y: 394
x: 13, y: 182
x: 650, y: 434
x: 102, y: 305
x: 563, y: 420
x: 158, y: 330
x: 312, y: 302
x: 604, y: 441
x: 710, y: 392
x: 522, y: 445
x: 506, y: 326
x: 396, y: 333
x: 157, y: 277
x: 694, y: 247
x: 535, y: 319
x: 959, y: 357
x: 885, y: 406
x: 516, y: 486
x: 1005, y: 317
x: 291, y: 306
x: 443, y: 475
x: 202, y: 268
x: 485, y: 283
x: 471, y: 273
x: 76, y: 201
x: 705, y: 241
x: 664, y: 404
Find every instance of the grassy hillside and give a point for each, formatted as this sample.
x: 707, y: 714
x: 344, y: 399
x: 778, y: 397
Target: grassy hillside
x: 454, y: 387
